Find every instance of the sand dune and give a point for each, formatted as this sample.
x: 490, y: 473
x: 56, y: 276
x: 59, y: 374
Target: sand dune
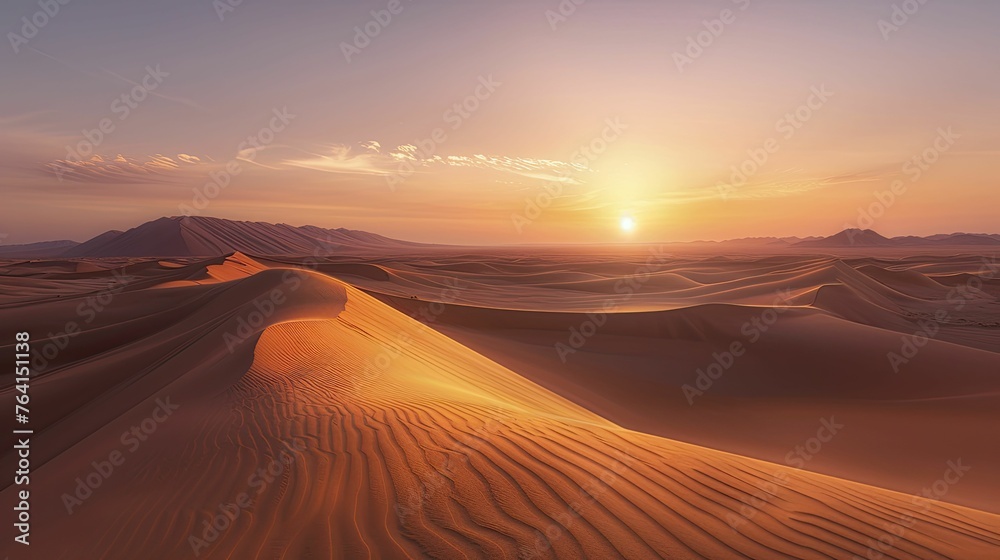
x: 314, y: 417
x: 826, y: 354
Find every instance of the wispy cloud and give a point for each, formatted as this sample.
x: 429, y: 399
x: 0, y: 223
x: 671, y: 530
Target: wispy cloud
x: 120, y: 169
x: 365, y: 159
x: 369, y: 158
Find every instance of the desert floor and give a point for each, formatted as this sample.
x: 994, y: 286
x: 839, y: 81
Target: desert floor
x: 535, y: 403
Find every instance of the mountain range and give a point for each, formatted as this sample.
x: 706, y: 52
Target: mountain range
x: 196, y: 236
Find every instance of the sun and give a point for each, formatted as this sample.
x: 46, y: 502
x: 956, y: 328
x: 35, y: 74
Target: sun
x: 627, y: 224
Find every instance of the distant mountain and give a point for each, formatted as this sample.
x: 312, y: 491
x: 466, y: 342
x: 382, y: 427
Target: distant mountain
x: 758, y: 241
x: 870, y: 238
x: 39, y: 250
x: 98, y: 241
x: 747, y: 241
x: 947, y: 236
x: 911, y: 240
x: 849, y: 238
x: 793, y: 240
x: 195, y: 236
x: 966, y: 239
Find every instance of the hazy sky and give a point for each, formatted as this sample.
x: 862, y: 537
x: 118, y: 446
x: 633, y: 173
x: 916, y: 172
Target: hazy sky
x: 502, y: 122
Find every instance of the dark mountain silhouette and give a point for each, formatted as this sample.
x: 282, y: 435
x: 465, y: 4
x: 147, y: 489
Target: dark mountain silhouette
x: 194, y: 236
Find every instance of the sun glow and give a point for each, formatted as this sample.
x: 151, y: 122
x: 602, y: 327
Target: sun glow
x: 627, y: 224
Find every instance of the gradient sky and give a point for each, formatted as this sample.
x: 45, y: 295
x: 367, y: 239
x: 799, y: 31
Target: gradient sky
x: 355, y: 154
